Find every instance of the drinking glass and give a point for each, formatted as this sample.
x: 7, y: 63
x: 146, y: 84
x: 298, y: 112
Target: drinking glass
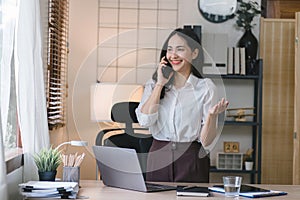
x: 232, y: 185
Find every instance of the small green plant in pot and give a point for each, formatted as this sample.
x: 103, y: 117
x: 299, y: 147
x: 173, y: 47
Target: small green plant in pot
x: 245, y: 14
x: 248, y: 159
x: 47, y: 161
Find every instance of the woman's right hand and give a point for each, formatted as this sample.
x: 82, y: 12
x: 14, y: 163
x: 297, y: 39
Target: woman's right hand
x: 161, y: 80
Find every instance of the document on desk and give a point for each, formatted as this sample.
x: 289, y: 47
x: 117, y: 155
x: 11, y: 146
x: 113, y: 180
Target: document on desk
x: 250, y: 191
x: 51, y: 189
x: 48, y: 184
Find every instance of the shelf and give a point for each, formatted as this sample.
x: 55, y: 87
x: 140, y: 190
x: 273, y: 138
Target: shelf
x: 215, y: 170
x: 232, y: 76
x: 254, y: 124
x: 234, y: 123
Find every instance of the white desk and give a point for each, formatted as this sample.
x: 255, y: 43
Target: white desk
x: 95, y: 190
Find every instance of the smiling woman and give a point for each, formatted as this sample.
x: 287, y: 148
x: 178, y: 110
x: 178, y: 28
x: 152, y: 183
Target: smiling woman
x: 217, y: 11
x: 181, y: 112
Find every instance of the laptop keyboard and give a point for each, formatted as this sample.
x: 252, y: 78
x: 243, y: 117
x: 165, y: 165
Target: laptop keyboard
x: 153, y: 187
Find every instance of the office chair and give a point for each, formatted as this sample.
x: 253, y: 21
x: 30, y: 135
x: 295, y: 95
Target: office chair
x: 124, y: 112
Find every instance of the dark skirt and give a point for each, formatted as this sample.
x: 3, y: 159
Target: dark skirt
x: 177, y: 162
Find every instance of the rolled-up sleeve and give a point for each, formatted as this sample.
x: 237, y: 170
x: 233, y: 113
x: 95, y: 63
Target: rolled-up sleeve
x: 146, y: 120
x: 211, y: 98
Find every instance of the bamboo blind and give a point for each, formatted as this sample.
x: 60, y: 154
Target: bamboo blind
x: 277, y: 51
x: 57, y: 53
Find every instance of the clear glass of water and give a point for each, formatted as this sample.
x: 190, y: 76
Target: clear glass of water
x: 232, y: 185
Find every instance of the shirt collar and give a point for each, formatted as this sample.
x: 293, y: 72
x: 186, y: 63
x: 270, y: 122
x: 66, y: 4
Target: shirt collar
x: 192, y: 80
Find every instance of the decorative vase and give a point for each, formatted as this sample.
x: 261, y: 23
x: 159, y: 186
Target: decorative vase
x: 249, y: 41
x: 47, y: 176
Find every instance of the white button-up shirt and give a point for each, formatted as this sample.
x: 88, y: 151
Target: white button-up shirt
x: 182, y: 112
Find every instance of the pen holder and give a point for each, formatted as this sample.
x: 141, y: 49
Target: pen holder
x: 71, y: 174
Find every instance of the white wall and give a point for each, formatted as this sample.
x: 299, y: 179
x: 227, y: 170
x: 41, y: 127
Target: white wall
x: 81, y: 74
x: 189, y: 14
x: 83, y: 69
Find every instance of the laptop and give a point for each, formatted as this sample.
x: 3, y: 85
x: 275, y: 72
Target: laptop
x: 120, y: 168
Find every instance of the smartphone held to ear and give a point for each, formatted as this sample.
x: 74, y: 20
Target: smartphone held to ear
x: 166, y: 71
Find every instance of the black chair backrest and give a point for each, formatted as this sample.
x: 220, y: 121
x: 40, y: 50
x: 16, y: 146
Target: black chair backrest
x: 124, y: 112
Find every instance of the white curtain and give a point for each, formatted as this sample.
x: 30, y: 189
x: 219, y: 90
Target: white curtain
x: 3, y: 185
x: 8, y: 18
x: 30, y: 85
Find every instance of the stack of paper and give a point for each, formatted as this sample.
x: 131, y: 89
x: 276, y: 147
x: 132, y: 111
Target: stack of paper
x: 47, y: 189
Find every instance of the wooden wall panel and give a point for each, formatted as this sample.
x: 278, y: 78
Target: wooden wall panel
x: 284, y: 9
x: 296, y: 166
x: 277, y: 52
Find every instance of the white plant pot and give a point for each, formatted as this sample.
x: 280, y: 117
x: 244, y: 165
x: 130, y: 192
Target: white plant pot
x: 248, y: 165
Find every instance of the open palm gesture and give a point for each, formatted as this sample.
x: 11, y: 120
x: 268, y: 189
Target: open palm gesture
x: 220, y: 107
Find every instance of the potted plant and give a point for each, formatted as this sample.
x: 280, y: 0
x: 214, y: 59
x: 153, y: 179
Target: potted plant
x: 249, y: 163
x: 245, y: 14
x: 248, y: 159
x: 47, y: 161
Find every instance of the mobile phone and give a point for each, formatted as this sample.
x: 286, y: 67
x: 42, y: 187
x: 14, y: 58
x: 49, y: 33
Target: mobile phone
x: 166, y: 70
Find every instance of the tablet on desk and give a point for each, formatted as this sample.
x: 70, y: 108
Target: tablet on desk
x: 250, y: 191
x: 246, y: 188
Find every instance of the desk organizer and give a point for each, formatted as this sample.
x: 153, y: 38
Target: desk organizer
x: 230, y: 161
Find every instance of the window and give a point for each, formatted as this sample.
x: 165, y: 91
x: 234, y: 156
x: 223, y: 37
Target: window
x: 57, y: 62
x: 7, y: 21
x: 56, y: 72
x: 11, y: 136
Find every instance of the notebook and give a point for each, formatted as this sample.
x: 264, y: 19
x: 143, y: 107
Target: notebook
x: 192, y: 191
x: 250, y: 191
x: 120, y: 168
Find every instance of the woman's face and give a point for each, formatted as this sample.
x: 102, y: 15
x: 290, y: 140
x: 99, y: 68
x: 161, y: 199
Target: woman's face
x: 180, y: 55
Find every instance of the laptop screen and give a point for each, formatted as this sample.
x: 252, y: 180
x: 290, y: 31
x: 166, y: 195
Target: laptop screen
x: 120, y: 167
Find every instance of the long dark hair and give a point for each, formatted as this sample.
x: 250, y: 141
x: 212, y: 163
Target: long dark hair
x: 193, y: 42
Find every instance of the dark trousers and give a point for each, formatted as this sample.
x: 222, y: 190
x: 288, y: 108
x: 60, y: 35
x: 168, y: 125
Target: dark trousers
x: 177, y: 162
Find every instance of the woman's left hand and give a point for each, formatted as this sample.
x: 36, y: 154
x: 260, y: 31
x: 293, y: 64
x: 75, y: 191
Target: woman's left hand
x: 220, y: 107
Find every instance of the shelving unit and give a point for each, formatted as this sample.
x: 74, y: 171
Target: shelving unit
x: 256, y: 124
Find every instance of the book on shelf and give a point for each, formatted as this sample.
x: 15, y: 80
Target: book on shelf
x: 243, y: 60
x: 237, y: 69
x: 236, y: 60
x: 230, y: 60
x: 192, y: 191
